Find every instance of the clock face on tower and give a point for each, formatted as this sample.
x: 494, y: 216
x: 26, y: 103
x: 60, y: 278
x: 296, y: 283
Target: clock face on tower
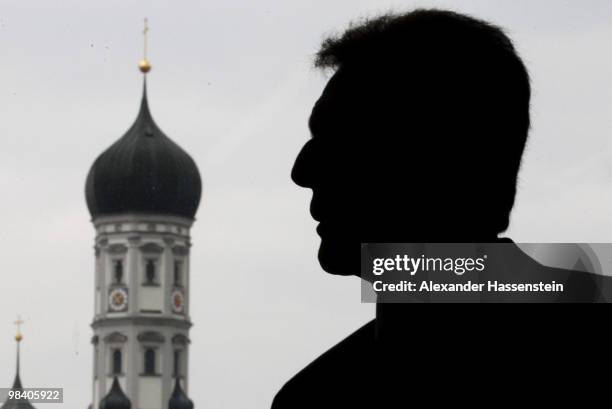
x: 178, y: 301
x: 118, y: 299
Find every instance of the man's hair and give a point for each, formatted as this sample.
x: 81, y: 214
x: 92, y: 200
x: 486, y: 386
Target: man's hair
x: 450, y: 83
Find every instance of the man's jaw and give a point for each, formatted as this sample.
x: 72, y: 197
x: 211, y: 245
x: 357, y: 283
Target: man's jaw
x: 338, y: 252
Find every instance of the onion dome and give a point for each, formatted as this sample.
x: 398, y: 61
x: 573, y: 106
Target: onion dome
x: 21, y: 403
x: 179, y: 399
x: 115, y: 399
x: 144, y: 172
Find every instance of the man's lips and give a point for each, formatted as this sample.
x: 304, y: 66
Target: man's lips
x: 327, y: 229
x: 315, y: 213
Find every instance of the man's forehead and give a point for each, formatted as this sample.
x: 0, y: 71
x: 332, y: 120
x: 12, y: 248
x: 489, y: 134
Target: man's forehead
x: 324, y: 112
x: 333, y: 99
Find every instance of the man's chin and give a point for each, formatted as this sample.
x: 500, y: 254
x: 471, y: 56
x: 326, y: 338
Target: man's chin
x: 338, y: 258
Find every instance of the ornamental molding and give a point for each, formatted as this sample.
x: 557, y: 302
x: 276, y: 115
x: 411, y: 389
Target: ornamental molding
x: 151, y: 336
x: 117, y: 249
x: 115, y: 338
x: 152, y: 248
x: 180, y: 250
x: 134, y: 241
x: 180, y: 339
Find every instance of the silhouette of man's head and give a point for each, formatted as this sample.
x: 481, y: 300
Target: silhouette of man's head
x: 418, y: 135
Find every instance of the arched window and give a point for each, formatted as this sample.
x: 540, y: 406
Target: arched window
x: 149, y: 361
x: 150, y: 272
x: 118, y: 271
x: 178, y: 273
x: 117, y: 362
x: 95, y: 364
x: 177, y: 362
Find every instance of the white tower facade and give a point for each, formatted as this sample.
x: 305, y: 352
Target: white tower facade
x: 141, y: 324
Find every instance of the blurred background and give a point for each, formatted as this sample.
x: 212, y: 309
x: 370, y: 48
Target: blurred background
x: 233, y: 84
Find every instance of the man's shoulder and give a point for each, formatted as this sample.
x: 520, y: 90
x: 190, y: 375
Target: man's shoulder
x: 578, y: 286
x: 332, y: 375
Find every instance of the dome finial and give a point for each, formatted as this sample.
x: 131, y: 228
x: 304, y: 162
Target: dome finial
x: 18, y: 324
x: 144, y: 64
x: 18, y: 338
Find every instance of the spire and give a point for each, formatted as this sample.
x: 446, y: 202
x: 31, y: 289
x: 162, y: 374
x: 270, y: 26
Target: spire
x: 21, y: 403
x: 17, y: 382
x: 145, y: 125
x: 115, y: 399
x: 144, y: 64
x: 144, y: 103
x: 179, y: 399
x: 18, y: 338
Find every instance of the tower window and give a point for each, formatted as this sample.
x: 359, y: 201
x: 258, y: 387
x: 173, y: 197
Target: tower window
x: 150, y: 272
x: 149, y: 361
x: 117, y: 362
x: 118, y: 272
x: 177, y: 362
x: 95, y: 364
x: 178, y: 273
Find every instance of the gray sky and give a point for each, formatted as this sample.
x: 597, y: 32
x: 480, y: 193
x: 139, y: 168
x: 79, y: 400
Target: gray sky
x: 232, y: 83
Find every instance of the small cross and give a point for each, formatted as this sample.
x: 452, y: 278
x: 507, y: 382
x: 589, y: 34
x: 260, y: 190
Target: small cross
x: 145, y: 33
x: 19, y: 323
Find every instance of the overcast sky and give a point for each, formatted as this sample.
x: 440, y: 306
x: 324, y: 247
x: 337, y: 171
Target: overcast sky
x: 232, y: 83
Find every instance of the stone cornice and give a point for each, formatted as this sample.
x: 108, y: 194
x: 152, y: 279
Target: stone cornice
x: 142, y: 321
x: 142, y: 218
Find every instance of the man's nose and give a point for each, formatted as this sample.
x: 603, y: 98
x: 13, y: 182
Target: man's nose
x: 301, y: 174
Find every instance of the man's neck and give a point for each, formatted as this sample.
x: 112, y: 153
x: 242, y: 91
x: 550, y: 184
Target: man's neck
x: 397, y: 322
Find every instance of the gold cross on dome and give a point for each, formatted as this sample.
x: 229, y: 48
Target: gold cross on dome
x: 144, y: 64
x: 145, y: 33
x: 18, y: 324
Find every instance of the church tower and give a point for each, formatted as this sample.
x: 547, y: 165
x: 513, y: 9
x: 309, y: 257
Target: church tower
x: 143, y: 193
x: 19, y: 402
